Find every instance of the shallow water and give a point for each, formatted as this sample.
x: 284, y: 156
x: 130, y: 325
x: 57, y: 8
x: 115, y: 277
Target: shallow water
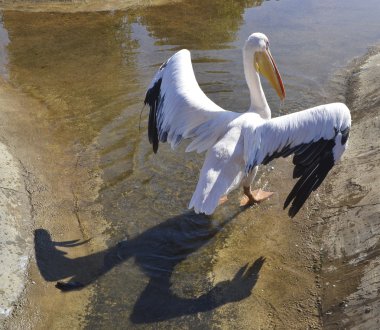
x: 91, y: 71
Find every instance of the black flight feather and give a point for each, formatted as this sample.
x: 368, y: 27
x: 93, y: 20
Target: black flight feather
x: 312, y: 162
x: 311, y: 167
x: 153, y: 99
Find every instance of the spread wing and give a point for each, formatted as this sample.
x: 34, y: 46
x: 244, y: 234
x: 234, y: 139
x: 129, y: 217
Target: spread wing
x: 317, y: 137
x: 180, y: 110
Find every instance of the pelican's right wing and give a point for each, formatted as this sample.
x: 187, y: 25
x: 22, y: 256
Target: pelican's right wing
x: 317, y: 137
x: 180, y: 110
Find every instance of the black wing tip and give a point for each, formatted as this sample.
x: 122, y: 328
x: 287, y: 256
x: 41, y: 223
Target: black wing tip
x: 313, y: 166
x: 293, y: 210
x: 313, y: 161
x: 345, y: 135
x: 296, y: 205
x: 287, y: 202
x: 152, y: 98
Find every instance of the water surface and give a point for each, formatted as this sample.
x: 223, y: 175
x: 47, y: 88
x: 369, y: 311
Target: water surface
x: 91, y: 71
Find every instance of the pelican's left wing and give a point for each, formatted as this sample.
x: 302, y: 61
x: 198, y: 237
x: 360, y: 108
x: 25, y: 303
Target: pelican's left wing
x: 317, y: 137
x: 180, y: 110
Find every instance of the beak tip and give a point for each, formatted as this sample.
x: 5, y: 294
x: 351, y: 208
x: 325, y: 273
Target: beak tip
x: 282, y: 95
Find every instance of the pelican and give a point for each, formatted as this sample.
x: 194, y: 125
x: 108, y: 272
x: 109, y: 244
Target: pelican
x: 237, y: 143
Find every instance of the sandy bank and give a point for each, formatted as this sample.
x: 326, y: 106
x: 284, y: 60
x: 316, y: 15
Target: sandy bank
x: 60, y: 198
x: 15, y: 234
x: 351, y: 212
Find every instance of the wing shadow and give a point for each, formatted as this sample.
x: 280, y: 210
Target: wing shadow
x: 156, y: 251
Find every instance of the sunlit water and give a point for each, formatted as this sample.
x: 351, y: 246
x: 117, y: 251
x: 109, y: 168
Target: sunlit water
x: 91, y: 70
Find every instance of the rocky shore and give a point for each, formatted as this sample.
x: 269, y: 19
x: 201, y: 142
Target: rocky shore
x: 350, y: 249
x: 32, y: 199
x: 15, y: 234
x: 15, y: 216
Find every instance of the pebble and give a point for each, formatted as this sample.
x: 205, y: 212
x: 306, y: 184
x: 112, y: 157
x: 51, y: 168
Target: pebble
x: 343, y: 304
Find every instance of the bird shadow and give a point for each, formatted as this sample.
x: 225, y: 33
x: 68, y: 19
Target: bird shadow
x: 156, y: 251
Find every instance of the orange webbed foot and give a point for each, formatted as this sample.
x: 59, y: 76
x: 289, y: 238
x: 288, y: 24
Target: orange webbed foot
x: 254, y: 197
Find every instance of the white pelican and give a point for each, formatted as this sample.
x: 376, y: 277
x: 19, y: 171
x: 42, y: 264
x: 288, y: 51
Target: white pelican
x: 236, y: 143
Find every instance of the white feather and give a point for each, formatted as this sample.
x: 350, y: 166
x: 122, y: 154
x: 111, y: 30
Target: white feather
x: 187, y: 112
x: 294, y: 129
x: 236, y: 143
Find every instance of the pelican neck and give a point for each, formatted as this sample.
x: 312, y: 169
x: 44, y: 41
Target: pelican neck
x: 259, y: 102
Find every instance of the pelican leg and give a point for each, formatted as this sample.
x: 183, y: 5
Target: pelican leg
x: 254, y: 197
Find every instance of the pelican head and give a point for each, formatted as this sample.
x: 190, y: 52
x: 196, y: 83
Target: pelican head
x: 258, y: 45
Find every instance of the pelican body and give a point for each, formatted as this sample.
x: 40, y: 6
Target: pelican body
x: 236, y: 143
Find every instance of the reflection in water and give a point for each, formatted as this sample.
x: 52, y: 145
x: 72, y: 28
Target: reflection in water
x: 194, y: 25
x: 156, y: 251
x: 82, y: 66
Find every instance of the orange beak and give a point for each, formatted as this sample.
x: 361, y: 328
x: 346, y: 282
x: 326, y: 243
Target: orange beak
x: 266, y: 65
